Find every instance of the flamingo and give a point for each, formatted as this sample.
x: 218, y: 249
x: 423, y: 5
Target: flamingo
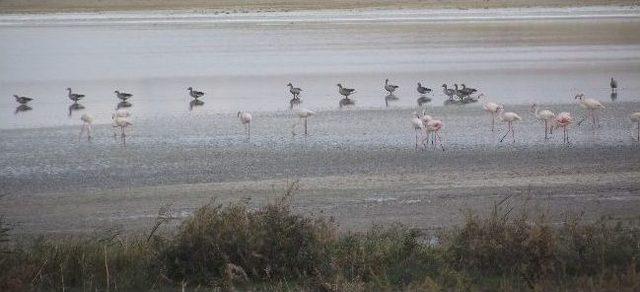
x: 345, y: 91
x: 22, y: 99
x: 509, y: 118
x: 635, y: 117
x: 87, y: 120
x: 418, y: 126
x: 492, y: 108
x: 614, y: 85
x: 543, y: 115
x: 433, y: 127
x: 592, y: 106
x: 389, y: 87
x: 303, y: 114
x: 121, y: 120
x: 75, y: 97
x: 195, y: 94
x: 294, y: 90
x: 563, y: 120
x: 245, y: 119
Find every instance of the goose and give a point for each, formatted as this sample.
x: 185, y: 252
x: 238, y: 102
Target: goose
x: 195, y: 94
x: 467, y: 90
x: 389, y: 87
x: 123, y: 95
x: 459, y: 93
x: 345, y: 91
x: 543, y: 115
x: 614, y: 85
x: 423, y: 90
x: 22, y: 99
x: 75, y: 97
x: 448, y: 91
x: 294, y: 90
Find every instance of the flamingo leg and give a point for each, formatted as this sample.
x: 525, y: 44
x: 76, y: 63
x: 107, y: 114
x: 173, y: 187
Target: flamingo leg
x: 638, y: 131
x: 493, y: 121
x: 513, y: 133
x: 416, y: 131
x: 305, y: 126
x: 82, y: 130
x: 507, y: 133
x: 89, y: 132
x: 546, y: 129
x: 440, y: 140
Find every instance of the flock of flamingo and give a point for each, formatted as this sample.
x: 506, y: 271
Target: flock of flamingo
x: 427, y: 129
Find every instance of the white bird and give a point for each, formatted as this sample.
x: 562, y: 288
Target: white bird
x: 492, y: 108
x: 543, y: 115
x: 389, y: 87
x: 432, y: 127
x: 592, y: 106
x: 87, y: 120
x: 121, y: 120
x: 635, y: 117
x: 563, y: 120
x: 75, y: 97
x: 245, y: 119
x: 418, y: 126
x: 509, y: 118
x: 303, y: 114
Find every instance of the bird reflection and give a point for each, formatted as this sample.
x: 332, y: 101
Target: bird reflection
x: 123, y: 104
x: 390, y: 97
x: 22, y: 108
x: 75, y: 107
x: 195, y: 103
x: 346, y: 102
x: 423, y: 99
x: 296, y: 101
x: 614, y: 96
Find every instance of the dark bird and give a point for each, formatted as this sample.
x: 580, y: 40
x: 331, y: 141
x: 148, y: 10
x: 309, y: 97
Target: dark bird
x: 345, y: 91
x: 294, y: 90
x: 22, y: 99
x: 195, y: 94
x: 614, y: 85
x: 423, y: 90
x: 123, y: 95
x: 75, y: 97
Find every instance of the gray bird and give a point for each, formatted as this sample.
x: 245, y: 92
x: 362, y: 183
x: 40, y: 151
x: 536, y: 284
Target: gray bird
x: 389, y: 87
x: 614, y: 85
x: 195, y: 94
x: 294, y: 90
x: 123, y: 95
x: 75, y: 97
x: 345, y: 91
x: 423, y: 90
x: 22, y: 99
x: 448, y: 91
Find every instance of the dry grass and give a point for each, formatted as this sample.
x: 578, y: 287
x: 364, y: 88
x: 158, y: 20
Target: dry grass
x: 271, y: 248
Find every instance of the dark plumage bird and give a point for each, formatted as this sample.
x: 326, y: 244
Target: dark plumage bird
x: 614, y: 85
x: 22, y: 99
x: 389, y: 87
x: 345, y: 91
x: 195, y: 94
x: 75, y: 97
x: 423, y: 90
x: 467, y: 90
x: 294, y: 90
x: 448, y: 91
x: 123, y: 95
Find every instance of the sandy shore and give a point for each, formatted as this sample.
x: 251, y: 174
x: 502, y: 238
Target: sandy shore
x: 232, y: 6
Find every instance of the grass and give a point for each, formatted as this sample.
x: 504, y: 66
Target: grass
x: 235, y: 247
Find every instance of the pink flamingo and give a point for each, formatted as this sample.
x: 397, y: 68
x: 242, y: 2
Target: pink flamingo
x: 418, y: 126
x: 510, y: 118
x: 492, y: 108
x: 563, y: 120
x: 433, y: 127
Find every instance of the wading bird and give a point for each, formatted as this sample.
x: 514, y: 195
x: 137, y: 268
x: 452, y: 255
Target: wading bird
x: 432, y: 127
x: 635, y: 117
x: 423, y: 90
x: 87, y: 120
x: 294, y: 90
x: 543, y: 115
x: 245, y: 119
x: 123, y: 95
x: 492, y: 108
x: 614, y: 85
x: 121, y: 120
x: 592, y: 106
x: 389, y: 87
x: 418, y: 126
x: 75, y: 97
x: 345, y: 91
x: 563, y: 120
x: 509, y: 118
x: 195, y: 94
x: 303, y: 114
x: 22, y: 99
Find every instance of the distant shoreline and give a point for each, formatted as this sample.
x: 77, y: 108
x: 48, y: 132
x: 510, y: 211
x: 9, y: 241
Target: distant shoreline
x: 232, y: 6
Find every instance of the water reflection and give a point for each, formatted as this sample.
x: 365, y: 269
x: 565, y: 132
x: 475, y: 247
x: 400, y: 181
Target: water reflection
x: 195, y: 103
x: 22, y: 108
x: 423, y: 99
x: 614, y: 96
x: 75, y: 107
x: 389, y: 98
x: 346, y: 102
x: 296, y: 101
x: 123, y: 104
